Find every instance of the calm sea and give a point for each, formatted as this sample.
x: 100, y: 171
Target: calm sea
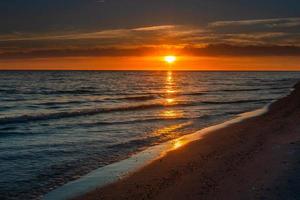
x: 57, y: 126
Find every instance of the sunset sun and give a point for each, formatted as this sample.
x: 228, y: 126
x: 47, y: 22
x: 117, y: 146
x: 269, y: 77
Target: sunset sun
x: 170, y: 59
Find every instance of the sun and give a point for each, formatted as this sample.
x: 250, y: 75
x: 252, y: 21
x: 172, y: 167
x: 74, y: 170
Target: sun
x: 170, y: 59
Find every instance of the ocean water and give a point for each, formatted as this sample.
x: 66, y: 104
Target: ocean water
x: 56, y: 126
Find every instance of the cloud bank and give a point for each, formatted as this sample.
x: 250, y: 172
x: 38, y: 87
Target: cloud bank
x: 257, y: 37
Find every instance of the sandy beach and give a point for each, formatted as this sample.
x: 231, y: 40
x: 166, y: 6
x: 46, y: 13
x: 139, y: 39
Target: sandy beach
x: 254, y: 159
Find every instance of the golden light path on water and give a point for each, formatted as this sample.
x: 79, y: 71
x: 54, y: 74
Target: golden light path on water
x: 170, y: 90
x: 170, y: 112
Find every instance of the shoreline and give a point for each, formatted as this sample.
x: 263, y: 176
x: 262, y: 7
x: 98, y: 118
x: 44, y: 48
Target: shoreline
x: 246, y: 160
x: 115, y: 172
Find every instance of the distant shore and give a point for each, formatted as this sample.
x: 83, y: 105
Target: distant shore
x: 255, y: 159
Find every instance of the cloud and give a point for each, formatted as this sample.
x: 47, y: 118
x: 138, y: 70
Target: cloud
x: 144, y: 39
x: 155, y: 28
x: 91, y: 52
x: 163, y: 30
x: 250, y: 50
x: 259, y: 38
x: 210, y: 50
x: 103, y: 34
x: 124, y: 38
x: 276, y: 22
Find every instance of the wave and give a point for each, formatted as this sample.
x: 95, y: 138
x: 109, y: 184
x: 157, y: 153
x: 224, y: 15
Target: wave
x: 136, y: 121
x: 79, y: 91
x: 236, y: 102
x: 59, y: 103
x: 129, y: 98
x: 251, y: 89
x: 78, y: 113
x: 138, y: 98
x: 239, y: 90
x: 49, y: 92
x: 235, y: 90
x: 8, y: 91
x: 278, y: 88
x: 195, y: 93
x: 95, y: 111
x: 53, y: 103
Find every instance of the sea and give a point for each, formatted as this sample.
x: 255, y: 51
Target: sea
x: 57, y: 126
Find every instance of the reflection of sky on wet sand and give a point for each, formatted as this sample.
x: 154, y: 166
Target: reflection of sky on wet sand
x: 179, y: 143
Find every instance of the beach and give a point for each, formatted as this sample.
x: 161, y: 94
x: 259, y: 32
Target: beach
x: 257, y: 158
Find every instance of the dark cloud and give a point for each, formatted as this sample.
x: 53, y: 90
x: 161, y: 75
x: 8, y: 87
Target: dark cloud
x: 57, y: 15
x: 268, y: 23
x: 230, y: 50
x: 210, y: 50
x: 93, y: 52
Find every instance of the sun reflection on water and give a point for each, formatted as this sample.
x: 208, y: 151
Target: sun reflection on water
x: 170, y: 101
x: 169, y: 114
x: 170, y: 89
x: 169, y: 77
x: 171, y: 130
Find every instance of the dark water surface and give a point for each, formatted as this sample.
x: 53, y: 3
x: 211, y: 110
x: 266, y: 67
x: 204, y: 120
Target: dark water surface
x: 58, y: 126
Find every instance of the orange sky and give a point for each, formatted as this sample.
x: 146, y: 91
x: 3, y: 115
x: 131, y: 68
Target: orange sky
x: 283, y: 63
x: 205, y: 35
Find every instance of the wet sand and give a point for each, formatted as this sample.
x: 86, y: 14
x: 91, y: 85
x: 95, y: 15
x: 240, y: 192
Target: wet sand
x: 258, y: 158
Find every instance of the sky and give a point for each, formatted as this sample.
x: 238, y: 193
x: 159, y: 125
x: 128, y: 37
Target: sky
x: 136, y: 34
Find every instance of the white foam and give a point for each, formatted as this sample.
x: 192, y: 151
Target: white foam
x: 112, y: 173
